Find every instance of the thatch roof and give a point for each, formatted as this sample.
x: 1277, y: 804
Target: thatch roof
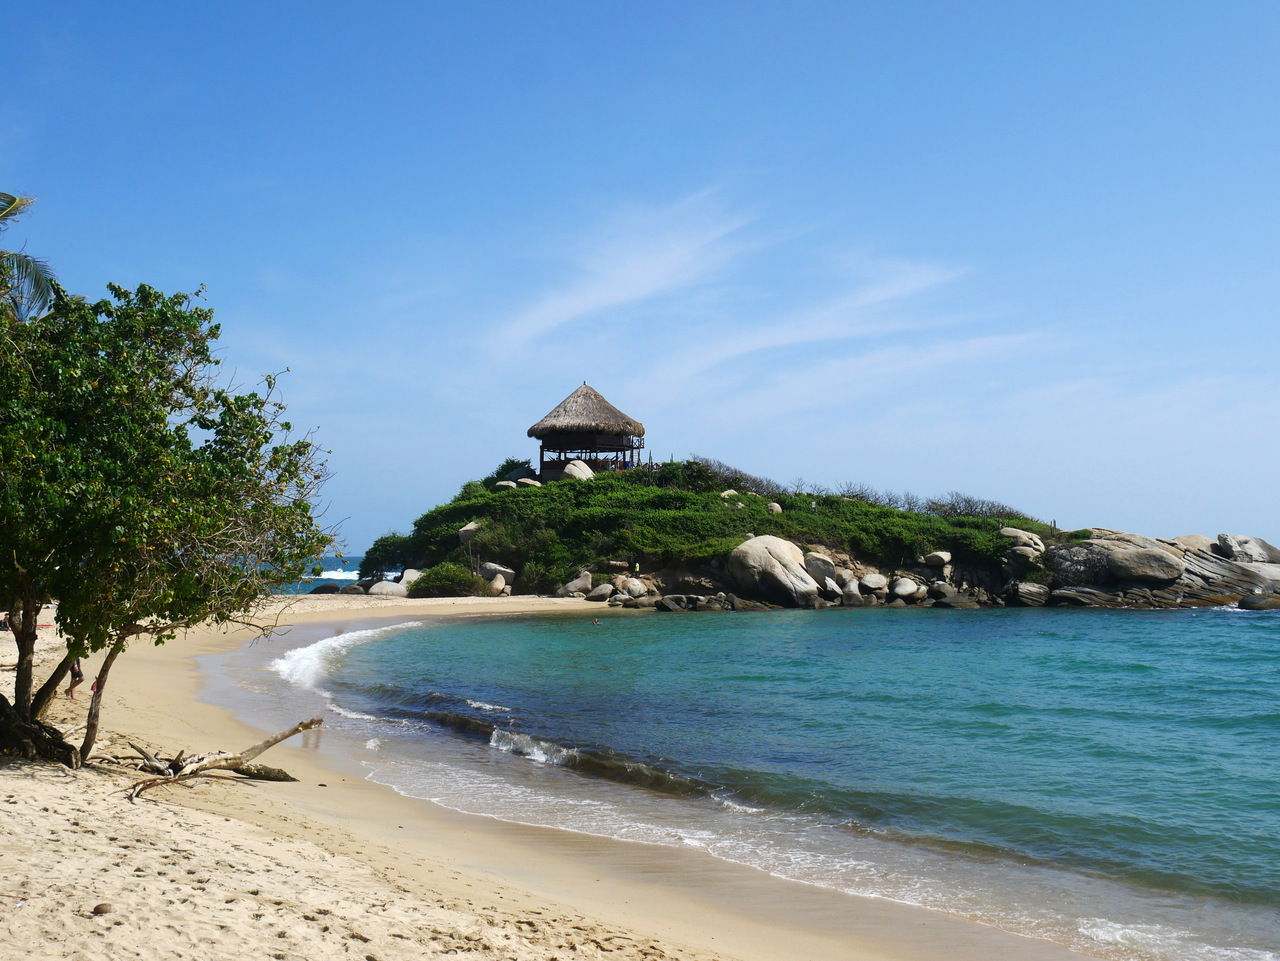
x: 585, y: 411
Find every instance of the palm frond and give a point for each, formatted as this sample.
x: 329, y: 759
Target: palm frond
x: 11, y: 207
x: 29, y: 282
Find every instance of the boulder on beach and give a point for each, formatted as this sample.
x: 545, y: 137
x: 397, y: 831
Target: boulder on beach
x: 497, y: 585
x: 409, y: 575
x: 938, y: 558
x: 772, y: 568
x: 490, y: 570
x: 352, y: 589
x: 389, y: 589
x: 325, y: 589
x: 579, y: 585
x: 601, y: 593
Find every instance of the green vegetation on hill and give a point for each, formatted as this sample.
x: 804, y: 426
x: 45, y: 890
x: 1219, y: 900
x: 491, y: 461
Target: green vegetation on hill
x: 673, y: 514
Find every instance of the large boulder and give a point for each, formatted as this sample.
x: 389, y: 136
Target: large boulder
x: 579, y: 470
x: 469, y: 531
x: 601, y: 593
x: 1026, y: 594
x: 1125, y: 541
x: 1023, y: 538
x: 490, y: 570
x: 579, y: 585
x: 498, y: 585
x: 325, y: 589
x: 904, y: 587
x: 772, y: 568
x: 389, y: 589
x: 352, y: 589
x: 528, y: 482
x: 630, y: 586
x: 874, y: 581
x: 819, y: 566
x: 1146, y: 566
x: 409, y: 575
x: 773, y: 507
x: 938, y: 558
x: 1247, y: 550
x: 1259, y: 602
x: 505, y: 485
x: 1195, y: 542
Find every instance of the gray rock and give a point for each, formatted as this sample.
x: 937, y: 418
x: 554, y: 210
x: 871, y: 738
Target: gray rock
x: 957, y: 602
x: 938, y: 558
x: 1259, y: 602
x: 874, y: 582
x: 497, y: 585
x: 389, y: 589
x: 772, y: 568
x: 1028, y: 556
x: 1124, y: 541
x: 352, y: 589
x: 773, y: 507
x: 630, y: 586
x: 819, y: 566
x: 469, y: 531
x: 851, y: 597
x: 1195, y: 542
x: 601, y: 593
x: 579, y: 470
x: 579, y: 585
x: 903, y: 587
x: 1026, y: 594
x: 1247, y: 550
x: 619, y: 599
x: 1076, y: 564
x: 490, y: 570
x: 1023, y: 538
x: 1145, y: 565
x: 940, y: 589
x: 528, y: 482
x: 505, y: 485
x: 409, y: 575
x: 325, y: 589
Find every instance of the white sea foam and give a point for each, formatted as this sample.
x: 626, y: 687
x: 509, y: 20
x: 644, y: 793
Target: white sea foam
x: 340, y: 575
x: 373, y: 744
x: 306, y: 667
x: 482, y: 706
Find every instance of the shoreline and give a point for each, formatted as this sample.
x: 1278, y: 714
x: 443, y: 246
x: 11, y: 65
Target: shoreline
x: 655, y: 901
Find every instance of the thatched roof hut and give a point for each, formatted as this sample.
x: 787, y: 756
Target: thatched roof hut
x: 585, y: 411
x: 584, y: 426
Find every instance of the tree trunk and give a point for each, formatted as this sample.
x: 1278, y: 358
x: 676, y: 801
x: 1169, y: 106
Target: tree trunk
x: 24, y: 635
x: 41, y: 700
x: 33, y: 739
x: 95, y: 706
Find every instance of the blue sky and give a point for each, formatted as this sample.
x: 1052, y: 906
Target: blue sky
x: 1025, y: 251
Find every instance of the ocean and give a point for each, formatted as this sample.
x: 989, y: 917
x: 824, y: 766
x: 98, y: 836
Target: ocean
x: 1107, y: 780
x: 338, y: 571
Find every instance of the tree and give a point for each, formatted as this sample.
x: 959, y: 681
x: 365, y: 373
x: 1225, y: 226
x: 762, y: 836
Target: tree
x: 26, y: 284
x: 134, y: 490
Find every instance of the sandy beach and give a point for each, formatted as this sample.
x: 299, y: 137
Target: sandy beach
x: 335, y: 866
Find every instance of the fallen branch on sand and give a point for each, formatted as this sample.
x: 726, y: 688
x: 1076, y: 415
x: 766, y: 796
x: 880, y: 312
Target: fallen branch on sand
x: 183, y: 768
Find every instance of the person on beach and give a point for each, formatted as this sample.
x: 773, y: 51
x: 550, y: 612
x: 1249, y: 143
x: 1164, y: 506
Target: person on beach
x: 77, y: 678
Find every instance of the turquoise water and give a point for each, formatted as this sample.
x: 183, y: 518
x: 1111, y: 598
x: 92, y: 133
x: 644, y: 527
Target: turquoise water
x: 1108, y: 780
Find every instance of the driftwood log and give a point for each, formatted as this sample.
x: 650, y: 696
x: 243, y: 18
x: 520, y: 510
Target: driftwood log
x: 183, y: 768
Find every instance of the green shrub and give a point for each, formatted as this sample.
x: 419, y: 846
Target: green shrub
x: 449, y: 579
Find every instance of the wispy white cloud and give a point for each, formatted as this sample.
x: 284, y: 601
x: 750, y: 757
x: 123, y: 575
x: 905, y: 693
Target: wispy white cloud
x: 640, y: 255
